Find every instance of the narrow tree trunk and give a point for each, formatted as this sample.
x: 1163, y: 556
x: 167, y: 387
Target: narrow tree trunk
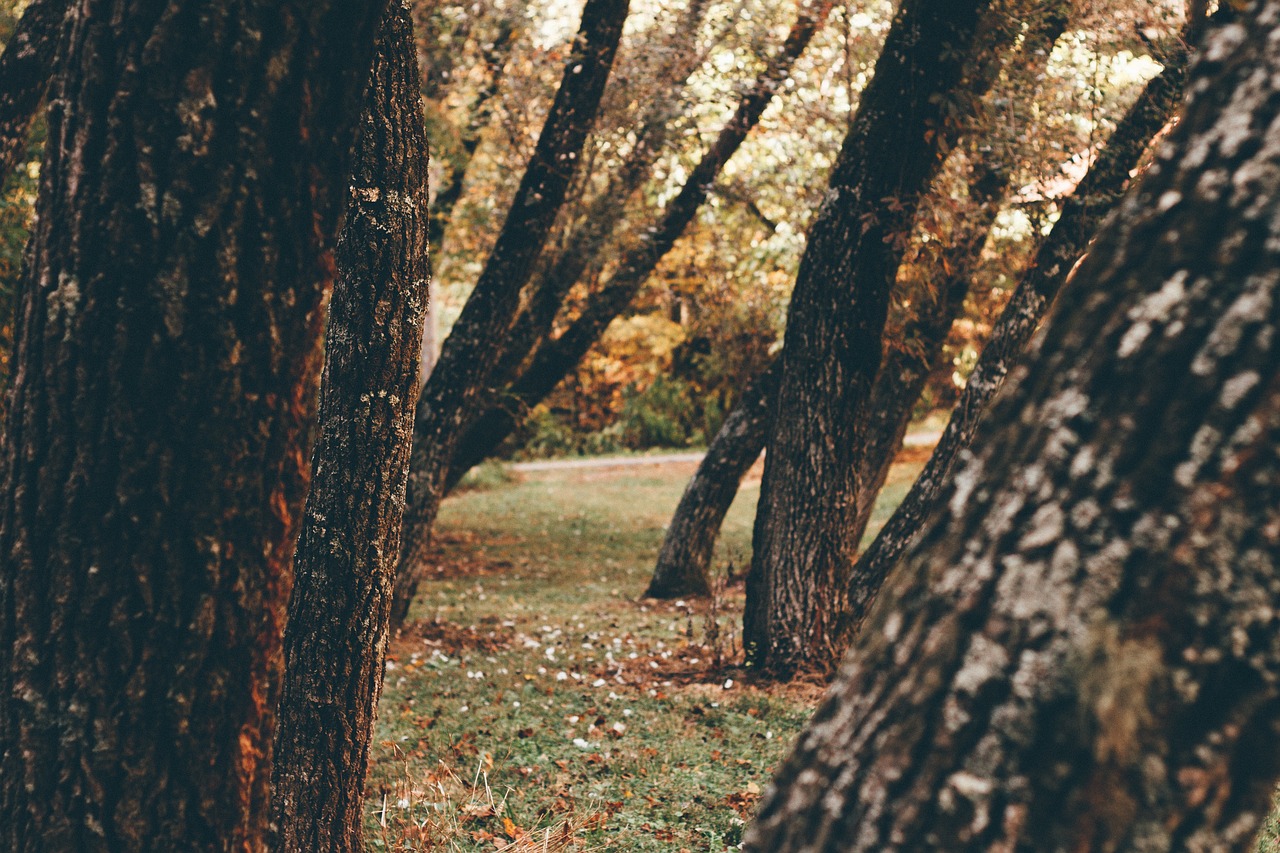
x: 335, y: 642
x: 159, y: 439
x: 26, y: 66
x: 550, y: 361
x: 470, y: 355
x: 686, y: 549
x: 1081, y: 216
x: 1082, y: 652
x: 801, y: 549
x: 583, y: 247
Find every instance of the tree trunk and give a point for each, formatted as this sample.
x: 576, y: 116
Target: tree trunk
x: 1081, y: 216
x: 685, y: 557
x: 1082, y: 651
x: 158, y: 445
x: 26, y: 66
x: 550, y: 361
x: 686, y: 549
x: 801, y: 549
x: 335, y: 642
x: 584, y: 242
x: 470, y: 355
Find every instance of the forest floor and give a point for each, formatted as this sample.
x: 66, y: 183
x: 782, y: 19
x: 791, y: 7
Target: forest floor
x: 535, y: 703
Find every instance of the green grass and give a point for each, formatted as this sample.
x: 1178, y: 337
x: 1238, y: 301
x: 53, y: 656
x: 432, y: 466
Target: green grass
x: 536, y: 704
x: 536, y: 699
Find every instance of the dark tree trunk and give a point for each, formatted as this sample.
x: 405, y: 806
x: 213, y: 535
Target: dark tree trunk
x: 684, y: 559
x: 686, y: 549
x: 551, y: 360
x: 26, y: 66
x: 801, y: 548
x: 159, y: 439
x: 1081, y: 216
x: 1082, y: 652
x: 584, y: 245
x: 335, y: 642
x: 472, y: 351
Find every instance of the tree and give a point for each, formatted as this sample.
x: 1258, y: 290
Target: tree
x: 159, y: 434
x: 1081, y: 652
x: 909, y: 114
x: 544, y: 361
x: 470, y: 355
x: 1096, y: 195
x: 336, y: 638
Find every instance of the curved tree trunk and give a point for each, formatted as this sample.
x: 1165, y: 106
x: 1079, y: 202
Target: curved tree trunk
x: 336, y: 638
x: 471, y: 352
x: 686, y: 549
x: 1082, y: 652
x: 549, y: 361
x: 1081, y: 216
x: 26, y: 67
x: 801, y: 550
x: 159, y: 438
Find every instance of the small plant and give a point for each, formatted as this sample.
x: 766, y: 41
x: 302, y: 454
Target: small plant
x: 489, y: 474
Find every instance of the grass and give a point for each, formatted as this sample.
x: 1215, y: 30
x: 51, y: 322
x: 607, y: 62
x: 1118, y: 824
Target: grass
x: 535, y: 703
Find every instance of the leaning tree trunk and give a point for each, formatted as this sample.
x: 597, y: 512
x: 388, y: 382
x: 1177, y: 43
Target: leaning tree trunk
x: 471, y: 352
x: 335, y: 642
x: 549, y: 361
x: 1083, y: 650
x: 686, y: 549
x: 684, y: 560
x: 26, y: 67
x: 582, y: 244
x: 159, y: 438
x: 801, y: 550
x: 1097, y: 193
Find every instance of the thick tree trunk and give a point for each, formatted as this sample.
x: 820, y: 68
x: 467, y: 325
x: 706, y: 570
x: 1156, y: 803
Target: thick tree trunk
x: 1082, y: 652
x: 26, y: 66
x: 685, y: 555
x: 159, y: 438
x: 471, y: 352
x: 335, y: 642
x: 801, y: 549
x: 550, y: 361
x: 1081, y: 216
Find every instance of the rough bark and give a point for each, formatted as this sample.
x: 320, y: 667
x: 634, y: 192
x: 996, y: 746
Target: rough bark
x: 801, y: 549
x: 26, y: 66
x: 1082, y: 653
x: 159, y: 436
x: 551, y: 360
x: 335, y: 642
x: 685, y: 555
x: 470, y: 354
x: 1082, y: 214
